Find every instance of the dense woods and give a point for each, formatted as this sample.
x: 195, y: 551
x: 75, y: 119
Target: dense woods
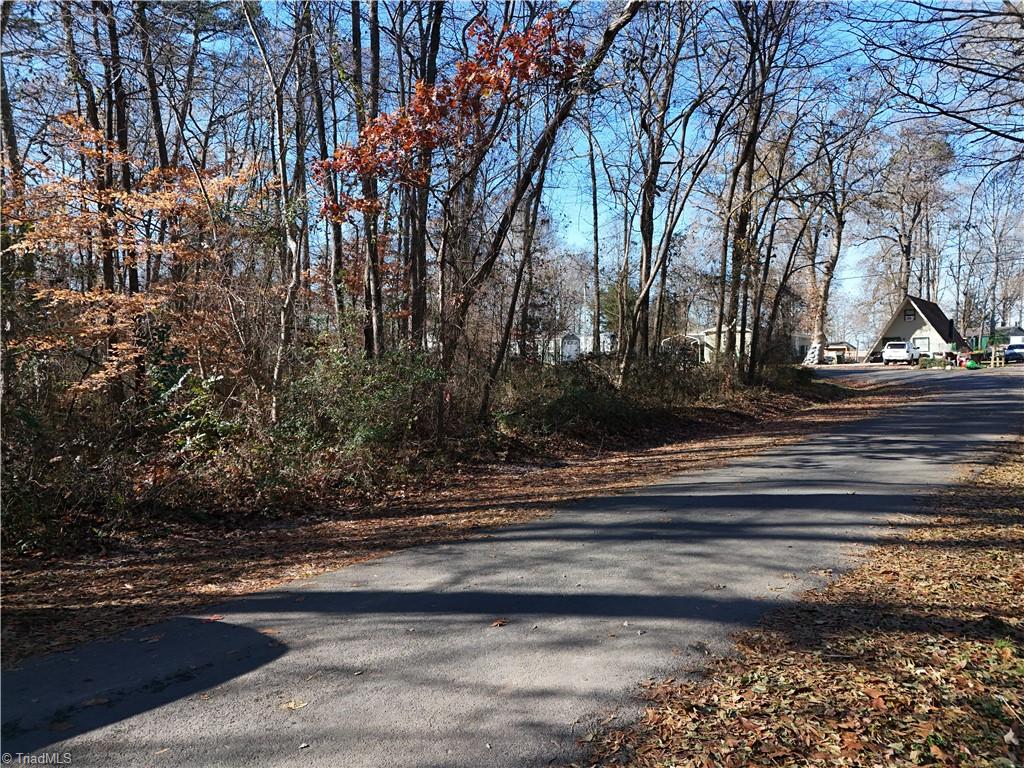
x: 254, y: 253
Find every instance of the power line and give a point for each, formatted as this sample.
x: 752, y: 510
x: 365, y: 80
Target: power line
x: 1010, y: 260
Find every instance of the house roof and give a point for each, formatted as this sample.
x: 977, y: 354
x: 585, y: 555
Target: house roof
x: 844, y: 344
x: 935, y: 317
x: 938, y: 320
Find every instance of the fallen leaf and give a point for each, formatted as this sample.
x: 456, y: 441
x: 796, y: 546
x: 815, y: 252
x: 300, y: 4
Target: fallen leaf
x: 294, y: 704
x: 499, y: 623
x: 214, y: 617
x: 851, y: 743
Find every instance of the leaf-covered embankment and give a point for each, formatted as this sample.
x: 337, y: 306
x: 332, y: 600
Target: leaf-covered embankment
x: 160, y: 567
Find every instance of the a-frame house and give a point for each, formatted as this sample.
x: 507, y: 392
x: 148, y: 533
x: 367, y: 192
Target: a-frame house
x: 923, y: 323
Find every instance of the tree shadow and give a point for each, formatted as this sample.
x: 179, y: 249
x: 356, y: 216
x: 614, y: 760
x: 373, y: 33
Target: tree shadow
x: 71, y: 693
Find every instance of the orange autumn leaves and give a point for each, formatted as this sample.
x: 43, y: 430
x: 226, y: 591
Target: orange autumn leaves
x: 64, y: 211
x: 101, y: 327
x: 452, y: 114
x: 66, y: 222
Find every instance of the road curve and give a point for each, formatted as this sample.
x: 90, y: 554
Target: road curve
x: 396, y: 662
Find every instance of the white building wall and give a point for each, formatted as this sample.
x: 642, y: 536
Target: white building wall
x: 910, y: 325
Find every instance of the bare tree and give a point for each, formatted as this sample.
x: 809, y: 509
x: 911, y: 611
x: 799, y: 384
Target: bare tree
x: 917, y: 161
x: 958, y: 62
x: 846, y: 140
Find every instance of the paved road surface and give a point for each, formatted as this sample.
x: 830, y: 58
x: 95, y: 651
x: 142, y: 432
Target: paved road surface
x: 396, y: 660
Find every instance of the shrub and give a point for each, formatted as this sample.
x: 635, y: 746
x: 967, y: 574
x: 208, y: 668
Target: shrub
x: 579, y: 399
x: 347, y: 400
x: 787, y: 378
x: 204, y: 447
x: 671, y: 381
x: 66, y: 475
x: 354, y: 416
x: 575, y: 400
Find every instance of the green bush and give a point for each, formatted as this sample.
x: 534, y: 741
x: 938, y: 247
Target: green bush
x: 66, y: 475
x: 347, y: 401
x: 671, y: 381
x: 579, y: 399
x: 353, y: 417
x: 205, y: 447
x: 788, y: 378
x: 576, y: 400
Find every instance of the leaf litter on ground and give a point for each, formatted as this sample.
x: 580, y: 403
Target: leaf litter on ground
x: 52, y: 603
x: 916, y: 657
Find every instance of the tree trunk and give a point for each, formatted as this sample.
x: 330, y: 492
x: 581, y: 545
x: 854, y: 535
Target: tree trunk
x: 595, y: 326
x: 825, y: 287
x: 77, y: 74
x: 540, y: 151
x: 723, y: 265
x: 367, y: 107
x: 533, y: 207
x: 740, y: 246
x: 10, y: 137
x: 421, y: 196
x: 152, y: 89
x: 659, y: 308
x: 159, y: 135
x: 905, y: 237
x: 121, y: 126
x: 292, y: 247
x: 335, y: 239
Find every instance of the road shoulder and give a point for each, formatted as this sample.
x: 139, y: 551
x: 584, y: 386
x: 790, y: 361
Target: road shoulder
x: 916, y: 657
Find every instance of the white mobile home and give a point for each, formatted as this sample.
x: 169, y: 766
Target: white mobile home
x: 797, y: 343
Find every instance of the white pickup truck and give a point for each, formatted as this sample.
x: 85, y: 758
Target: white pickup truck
x: 901, y: 352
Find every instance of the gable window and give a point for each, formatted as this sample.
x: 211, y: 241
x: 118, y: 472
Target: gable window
x: 908, y: 315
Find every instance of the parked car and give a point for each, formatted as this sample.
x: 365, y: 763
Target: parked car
x: 901, y: 352
x: 1014, y: 354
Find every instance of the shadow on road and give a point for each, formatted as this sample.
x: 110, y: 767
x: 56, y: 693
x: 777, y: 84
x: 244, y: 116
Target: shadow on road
x: 103, y: 683
x: 760, y: 523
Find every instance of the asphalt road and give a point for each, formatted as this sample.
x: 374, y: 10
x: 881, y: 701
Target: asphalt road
x: 396, y: 662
